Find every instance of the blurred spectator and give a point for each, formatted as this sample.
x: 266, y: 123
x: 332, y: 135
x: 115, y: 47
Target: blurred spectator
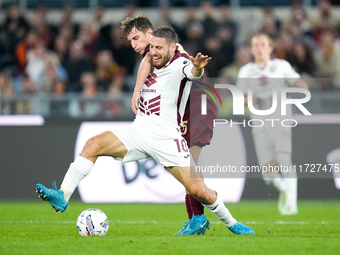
x: 130, y: 10
x: 7, y: 106
x: 190, y: 19
x: 86, y: 105
x: 325, y: 21
x: 87, y: 36
x: 76, y: 64
x: 298, y: 35
x: 35, y: 63
x: 106, y: 69
x: 6, y: 87
x: 66, y: 32
x: 191, y: 14
x: 118, y: 85
x: 22, y: 49
x: 52, y: 73
x: 15, y: 25
x: 97, y: 23
x: 299, y: 19
x: 12, y: 32
x: 227, y: 45
x: 302, y: 59
x: 59, y: 105
x: 166, y: 20
x: 269, y: 14
x: 61, y: 49
x: 121, y: 51
x: 230, y: 72
x: 194, y: 38
x: 88, y: 84
x: 325, y: 15
x: 227, y: 22
x: 209, y: 23
x: 67, y: 21
x: 212, y: 48
x: 59, y: 88
x: 112, y: 108
x: 327, y: 60
x: 269, y: 27
x: 28, y: 87
x: 40, y: 25
x: 284, y: 47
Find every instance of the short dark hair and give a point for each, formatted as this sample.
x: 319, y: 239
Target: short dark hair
x: 166, y: 32
x: 140, y: 22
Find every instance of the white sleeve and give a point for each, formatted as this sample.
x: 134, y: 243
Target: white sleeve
x: 186, y: 70
x: 242, y: 80
x: 290, y: 75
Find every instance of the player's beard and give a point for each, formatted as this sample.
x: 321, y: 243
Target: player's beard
x: 164, y: 59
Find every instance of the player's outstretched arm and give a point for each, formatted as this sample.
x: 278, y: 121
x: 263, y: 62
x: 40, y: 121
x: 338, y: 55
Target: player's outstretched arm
x: 199, y: 62
x: 143, y: 72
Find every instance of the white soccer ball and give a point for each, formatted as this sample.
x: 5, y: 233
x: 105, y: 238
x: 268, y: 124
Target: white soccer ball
x: 92, y: 222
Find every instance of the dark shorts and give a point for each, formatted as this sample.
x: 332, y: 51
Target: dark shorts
x: 199, y: 128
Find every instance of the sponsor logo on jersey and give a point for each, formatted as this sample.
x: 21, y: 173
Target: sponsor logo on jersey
x: 149, y: 90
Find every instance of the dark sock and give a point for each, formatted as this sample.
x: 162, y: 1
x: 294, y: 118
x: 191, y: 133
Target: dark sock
x: 188, y: 206
x: 196, y: 207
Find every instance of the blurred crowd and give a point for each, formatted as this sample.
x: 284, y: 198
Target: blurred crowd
x: 38, y: 58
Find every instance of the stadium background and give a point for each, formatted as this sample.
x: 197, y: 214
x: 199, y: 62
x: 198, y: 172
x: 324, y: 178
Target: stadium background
x: 59, y: 62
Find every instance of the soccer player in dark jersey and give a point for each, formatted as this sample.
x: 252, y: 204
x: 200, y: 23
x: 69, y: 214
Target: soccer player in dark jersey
x: 197, y: 131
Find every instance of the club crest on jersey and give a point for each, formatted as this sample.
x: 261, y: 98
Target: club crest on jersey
x: 151, y: 106
x: 272, y: 68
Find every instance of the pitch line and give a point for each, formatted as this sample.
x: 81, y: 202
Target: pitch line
x: 28, y: 222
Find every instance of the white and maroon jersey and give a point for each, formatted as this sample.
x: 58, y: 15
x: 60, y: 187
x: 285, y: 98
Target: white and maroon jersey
x: 276, y: 74
x: 164, y: 96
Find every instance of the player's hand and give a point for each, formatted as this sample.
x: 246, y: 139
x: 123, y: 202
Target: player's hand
x: 134, y: 101
x: 200, y: 61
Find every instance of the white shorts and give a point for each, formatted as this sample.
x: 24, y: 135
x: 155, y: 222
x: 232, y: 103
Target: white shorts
x: 171, y: 151
x: 271, y: 141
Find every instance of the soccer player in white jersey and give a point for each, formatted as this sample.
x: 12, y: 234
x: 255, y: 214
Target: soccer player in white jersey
x: 197, y: 133
x: 273, y: 142
x: 154, y: 133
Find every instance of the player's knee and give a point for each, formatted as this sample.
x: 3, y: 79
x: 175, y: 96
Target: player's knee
x: 198, y: 191
x: 92, y: 146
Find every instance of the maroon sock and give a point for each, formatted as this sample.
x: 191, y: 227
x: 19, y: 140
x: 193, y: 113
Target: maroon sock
x: 188, y: 206
x: 196, y: 207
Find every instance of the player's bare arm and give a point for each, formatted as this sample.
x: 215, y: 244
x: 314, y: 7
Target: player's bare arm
x: 199, y: 62
x: 143, y: 72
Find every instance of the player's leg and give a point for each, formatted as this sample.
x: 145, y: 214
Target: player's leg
x: 209, y: 199
x: 283, y: 149
x: 105, y: 144
x: 272, y: 178
x: 265, y: 153
x: 288, y: 198
x: 194, y: 208
x: 192, y: 205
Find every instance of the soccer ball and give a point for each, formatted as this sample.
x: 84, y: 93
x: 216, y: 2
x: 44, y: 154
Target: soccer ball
x: 92, y: 222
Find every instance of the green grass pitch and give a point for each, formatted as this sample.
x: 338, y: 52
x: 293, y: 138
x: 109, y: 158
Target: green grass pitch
x: 33, y: 228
